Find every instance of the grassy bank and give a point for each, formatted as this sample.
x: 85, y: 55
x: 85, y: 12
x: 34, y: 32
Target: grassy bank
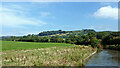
x: 56, y: 54
x: 112, y: 47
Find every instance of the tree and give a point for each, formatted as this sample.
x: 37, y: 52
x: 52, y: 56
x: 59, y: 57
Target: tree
x: 59, y: 40
x: 73, y: 39
x: 107, y: 40
x: 100, y: 35
x: 68, y: 41
x: 91, y: 34
x: 94, y: 42
x: 13, y: 38
x: 115, y: 34
x: 59, y: 30
x: 79, y: 40
x: 87, y: 40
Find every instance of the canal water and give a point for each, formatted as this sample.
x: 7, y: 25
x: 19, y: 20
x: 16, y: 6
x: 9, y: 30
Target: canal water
x: 105, y: 58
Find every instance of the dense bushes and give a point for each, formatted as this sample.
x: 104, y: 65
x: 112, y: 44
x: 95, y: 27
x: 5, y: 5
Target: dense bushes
x: 94, y: 42
x: 112, y: 41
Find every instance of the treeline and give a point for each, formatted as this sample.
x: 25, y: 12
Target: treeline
x: 83, y: 37
x: 112, y: 41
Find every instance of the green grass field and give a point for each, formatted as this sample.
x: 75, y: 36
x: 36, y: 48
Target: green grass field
x: 43, y: 54
x: 11, y: 45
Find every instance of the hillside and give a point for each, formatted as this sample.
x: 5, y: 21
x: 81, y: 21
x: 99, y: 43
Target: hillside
x: 63, y: 33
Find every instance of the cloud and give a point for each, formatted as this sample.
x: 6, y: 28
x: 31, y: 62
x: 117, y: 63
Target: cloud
x: 103, y: 28
x: 107, y: 12
x: 23, y: 18
x: 16, y: 18
x: 17, y: 21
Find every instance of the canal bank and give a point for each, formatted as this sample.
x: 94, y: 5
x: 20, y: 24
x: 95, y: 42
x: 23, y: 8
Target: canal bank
x: 90, y: 55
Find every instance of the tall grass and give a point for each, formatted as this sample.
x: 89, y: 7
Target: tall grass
x: 58, y: 55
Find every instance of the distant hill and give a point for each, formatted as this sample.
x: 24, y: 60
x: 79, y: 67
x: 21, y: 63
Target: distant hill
x: 63, y: 33
x: 46, y: 33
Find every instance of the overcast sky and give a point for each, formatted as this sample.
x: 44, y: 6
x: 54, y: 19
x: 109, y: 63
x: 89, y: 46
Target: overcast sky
x: 22, y: 18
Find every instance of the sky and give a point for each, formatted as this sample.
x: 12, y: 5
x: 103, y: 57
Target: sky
x: 22, y: 18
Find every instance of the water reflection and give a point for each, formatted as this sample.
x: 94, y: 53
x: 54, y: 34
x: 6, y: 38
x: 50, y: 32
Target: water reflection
x: 105, y: 58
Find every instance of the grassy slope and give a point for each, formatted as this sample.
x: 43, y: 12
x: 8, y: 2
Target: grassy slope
x: 10, y: 45
x: 43, y: 54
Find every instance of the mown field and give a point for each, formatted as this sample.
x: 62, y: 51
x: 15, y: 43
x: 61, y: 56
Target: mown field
x: 43, y: 54
x: 11, y: 45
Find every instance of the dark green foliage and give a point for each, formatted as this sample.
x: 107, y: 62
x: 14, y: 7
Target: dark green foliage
x: 68, y: 41
x: 112, y: 41
x: 94, y: 42
x: 107, y: 40
x: 115, y: 34
x: 80, y: 40
x: 87, y: 40
x: 91, y: 34
x: 88, y: 30
x: 71, y: 39
x: 100, y: 35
